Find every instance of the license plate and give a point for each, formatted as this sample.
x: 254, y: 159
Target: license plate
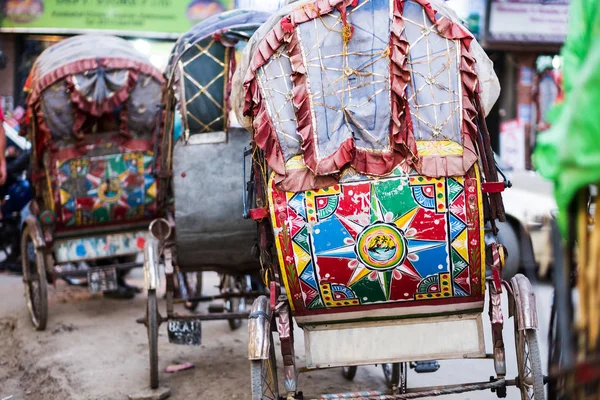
x: 102, y: 280
x: 188, y: 333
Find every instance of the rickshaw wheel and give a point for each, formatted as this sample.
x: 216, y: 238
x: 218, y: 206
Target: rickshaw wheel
x: 234, y: 304
x: 349, y: 372
x: 395, y: 375
x: 152, y: 319
x: 531, y: 380
x: 193, y: 283
x: 263, y: 376
x: 36, y: 282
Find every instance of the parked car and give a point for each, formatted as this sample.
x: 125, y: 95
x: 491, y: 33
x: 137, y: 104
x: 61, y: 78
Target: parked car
x: 526, y: 234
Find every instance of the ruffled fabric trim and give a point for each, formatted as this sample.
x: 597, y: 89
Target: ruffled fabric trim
x: 79, y: 66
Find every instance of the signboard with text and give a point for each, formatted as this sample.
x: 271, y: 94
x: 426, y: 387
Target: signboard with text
x: 152, y: 18
x: 528, y: 21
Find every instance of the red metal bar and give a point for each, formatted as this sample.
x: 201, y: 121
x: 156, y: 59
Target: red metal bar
x: 492, y: 187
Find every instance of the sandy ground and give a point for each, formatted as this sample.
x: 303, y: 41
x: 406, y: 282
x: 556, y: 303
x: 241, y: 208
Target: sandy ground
x: 93, y: 349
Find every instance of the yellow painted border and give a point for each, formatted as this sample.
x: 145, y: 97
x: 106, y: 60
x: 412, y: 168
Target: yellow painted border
x: 284, y: 276
x: 481, y: 225
x: 440, y: 148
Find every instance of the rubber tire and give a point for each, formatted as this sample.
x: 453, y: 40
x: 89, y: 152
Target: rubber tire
x: 152, y: 317
x: 529, y: 337
x: 257, y: 369
x: 197, y: 292
x: 349, y: 372
x: 510, y: 240
x: 39, y: 314
x: 235, y: 302
x: 395, y: 375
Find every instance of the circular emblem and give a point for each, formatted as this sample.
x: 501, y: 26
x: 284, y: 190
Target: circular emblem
x: 110, y: 190
x: 381, y: 246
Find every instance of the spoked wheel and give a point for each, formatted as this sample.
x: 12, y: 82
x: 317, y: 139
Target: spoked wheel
x: 263, y: 375
x: 349, y: 372
x: 234, y: 304
x: 35, y: 279
x: 395, y: 375
x: 193, y: 283
x: 531, y: 380
x: 152, y: 319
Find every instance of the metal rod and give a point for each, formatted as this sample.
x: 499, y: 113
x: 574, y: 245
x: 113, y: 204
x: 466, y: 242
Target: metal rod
x: 247, y: 295
x: 423, y: 392
x: 84, y: 272
x: 211, y: 317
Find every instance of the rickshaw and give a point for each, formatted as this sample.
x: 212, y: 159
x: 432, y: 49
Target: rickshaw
x: 93, y: 109
x: 200, y: 171
x: 374, y: 183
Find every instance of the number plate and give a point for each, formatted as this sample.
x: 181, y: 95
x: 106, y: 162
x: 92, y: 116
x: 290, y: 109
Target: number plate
x: 102, y: 280
x: 188, y: 333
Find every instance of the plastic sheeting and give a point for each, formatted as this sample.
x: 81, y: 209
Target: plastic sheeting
x: 569, y: 152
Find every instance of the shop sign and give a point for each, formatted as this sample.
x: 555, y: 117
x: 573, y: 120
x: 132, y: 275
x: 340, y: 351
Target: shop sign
x: 528, y: 21
x: 150, y: 18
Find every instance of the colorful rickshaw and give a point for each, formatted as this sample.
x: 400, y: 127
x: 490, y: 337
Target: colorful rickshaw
x: 202, y: 228
x: 93, y: 111
x: 374, y: 183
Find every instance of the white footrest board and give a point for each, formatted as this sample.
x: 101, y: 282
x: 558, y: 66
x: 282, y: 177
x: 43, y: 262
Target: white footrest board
x: 394, y: 341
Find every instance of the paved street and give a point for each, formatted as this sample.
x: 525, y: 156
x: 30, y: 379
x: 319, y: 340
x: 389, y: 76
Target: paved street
x: 93, y: 349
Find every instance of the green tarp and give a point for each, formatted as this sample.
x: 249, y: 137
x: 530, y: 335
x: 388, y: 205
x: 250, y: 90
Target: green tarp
x: 569, y: 153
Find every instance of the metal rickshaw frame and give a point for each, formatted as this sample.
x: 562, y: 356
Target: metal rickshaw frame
x: 236, y: 287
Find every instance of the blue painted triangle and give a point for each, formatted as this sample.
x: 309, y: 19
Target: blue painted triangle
x: 308, y: 276
x: 415, y: 245
x: 458, y: 292
x: 297, y: 203
x: 342, y: 252
x: 456, y: 227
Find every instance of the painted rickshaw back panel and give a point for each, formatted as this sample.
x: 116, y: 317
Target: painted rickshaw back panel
x: 366, y: 113
x: 94, y: 106
x: 394, y: 247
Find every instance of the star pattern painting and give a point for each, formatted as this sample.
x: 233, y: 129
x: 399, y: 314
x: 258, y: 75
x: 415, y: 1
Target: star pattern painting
x: 106, y: 189
x: 395, y: 240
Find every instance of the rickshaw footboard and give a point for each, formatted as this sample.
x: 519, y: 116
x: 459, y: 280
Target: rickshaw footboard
x: 418, y: 393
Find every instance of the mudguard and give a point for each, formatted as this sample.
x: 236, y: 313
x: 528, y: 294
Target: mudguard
x: 524, y: 308
x: 259, y: 330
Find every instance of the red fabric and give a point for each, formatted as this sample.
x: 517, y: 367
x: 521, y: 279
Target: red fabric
x: 1, y: 114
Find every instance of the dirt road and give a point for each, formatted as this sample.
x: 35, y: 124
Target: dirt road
x: 94, y: 350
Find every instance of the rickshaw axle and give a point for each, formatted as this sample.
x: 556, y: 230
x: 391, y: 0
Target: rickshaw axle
x: 218, y: 297
x: 199, y: 317
x: 431, y: 391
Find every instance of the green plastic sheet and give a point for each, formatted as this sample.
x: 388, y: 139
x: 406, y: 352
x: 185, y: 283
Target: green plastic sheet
x: 569, y: 152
